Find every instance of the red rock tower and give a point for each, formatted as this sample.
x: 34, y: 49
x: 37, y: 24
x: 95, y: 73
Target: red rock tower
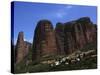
x: 20, y: 47
x: 44, y: 39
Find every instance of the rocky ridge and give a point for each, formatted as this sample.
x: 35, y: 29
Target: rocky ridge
x: 65, y: 39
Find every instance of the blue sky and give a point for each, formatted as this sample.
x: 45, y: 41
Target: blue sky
x: 27, y: 14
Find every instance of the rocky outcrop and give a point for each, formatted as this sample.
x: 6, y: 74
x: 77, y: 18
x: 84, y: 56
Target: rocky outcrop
x: 65, y: 39
x: 59, y: 32
x: 27, y: 47
x: 75, y: 34
x: 22, y: 48
x: 44, y: 42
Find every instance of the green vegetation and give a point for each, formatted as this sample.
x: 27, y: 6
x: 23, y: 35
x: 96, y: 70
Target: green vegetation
x: 85, y: 63
x: 20, y: 67
x: 90, y: 46
x: 49, y: 57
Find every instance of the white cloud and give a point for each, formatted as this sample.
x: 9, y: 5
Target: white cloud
x: 30, y: 40
x: 61, y: 13
x: 69, y: 7
x: 25, y: 39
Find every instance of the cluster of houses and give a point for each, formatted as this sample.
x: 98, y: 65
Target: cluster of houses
x: 73, y: 58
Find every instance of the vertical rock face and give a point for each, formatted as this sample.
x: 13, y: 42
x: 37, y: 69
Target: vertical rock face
x: 44, y: 39
x: 69, y: 38
x: 65, y: 39
x: 94, y: 34
x: 22, y: 48
x: 59, y: 32
x: 73, y: 35
x: 88, y: 28
x: 27, y: 48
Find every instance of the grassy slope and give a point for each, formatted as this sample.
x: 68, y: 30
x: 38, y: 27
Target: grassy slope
x: 85, y: 63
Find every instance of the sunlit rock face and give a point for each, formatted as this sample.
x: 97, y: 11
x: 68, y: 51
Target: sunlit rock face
x: 60, y: 35
x: 65, y: 39
x: 73, y: 35
x: 22, y: 48
x: 44, y: 42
